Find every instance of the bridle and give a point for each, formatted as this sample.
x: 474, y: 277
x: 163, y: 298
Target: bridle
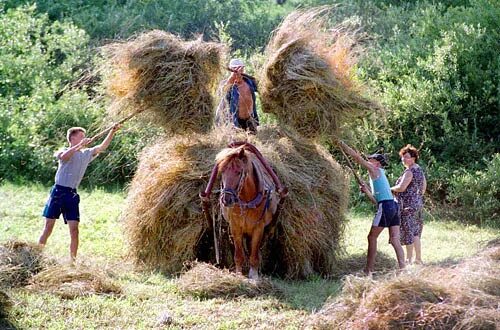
x: 234, y: 196
x: 233, y: 193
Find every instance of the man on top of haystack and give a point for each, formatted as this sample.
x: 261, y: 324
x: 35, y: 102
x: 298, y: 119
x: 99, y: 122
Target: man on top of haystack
x: 239, y: 97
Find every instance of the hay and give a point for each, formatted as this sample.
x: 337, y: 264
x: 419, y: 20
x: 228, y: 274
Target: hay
x: 308, y: 80
x: 206, y: 281
x: 165, y: 225
x: 169, y: 79
x: 18, y: 262
x: 72, y: 281
x: 427, y: 298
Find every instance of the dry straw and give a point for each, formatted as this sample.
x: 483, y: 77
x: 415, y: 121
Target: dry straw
x: 464, y: 296
x: 169, y: 79
x: 18, y: 262
x: 165, y: 225
x: 206, y: 281
x: 308, y: 80
x: 72, y: 281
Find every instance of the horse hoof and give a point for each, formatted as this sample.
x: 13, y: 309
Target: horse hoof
x: 253, y: 274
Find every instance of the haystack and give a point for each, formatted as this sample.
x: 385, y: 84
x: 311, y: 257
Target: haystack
x: 72, y: 281
x: 169, y: 79
x: 207, y: 281
x: 18, y: 262
x: 166, y: 227
x: 464, y: 296
x: 308, y: 80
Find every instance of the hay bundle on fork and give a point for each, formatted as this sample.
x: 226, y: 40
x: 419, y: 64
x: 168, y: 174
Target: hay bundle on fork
x: 307, y: 80
x: 165, y: 225
x: 167, y: 78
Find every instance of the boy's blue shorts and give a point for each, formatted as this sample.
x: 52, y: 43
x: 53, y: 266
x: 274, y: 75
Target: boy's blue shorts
x: 63, y: 200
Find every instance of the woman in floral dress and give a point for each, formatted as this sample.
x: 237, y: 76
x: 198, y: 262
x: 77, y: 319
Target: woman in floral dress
x: 409, y: 191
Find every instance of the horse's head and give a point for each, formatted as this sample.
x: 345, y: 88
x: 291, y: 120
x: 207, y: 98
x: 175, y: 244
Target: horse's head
x: 233, y: 168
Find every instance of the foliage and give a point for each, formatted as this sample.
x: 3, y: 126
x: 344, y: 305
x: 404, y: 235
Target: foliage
x: 39, y: 62
x: 38, y: 58
x: 477, y: 194
x: 248, y: 22
x: 438, y: 73
x: 436, y: 68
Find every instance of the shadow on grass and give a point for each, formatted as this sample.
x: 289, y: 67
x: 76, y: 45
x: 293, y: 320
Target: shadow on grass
x: 448, y: 262
x: 354, y: 264
x: 7, y: 325
x: 310, y: 295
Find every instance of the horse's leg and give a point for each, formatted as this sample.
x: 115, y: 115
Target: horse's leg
x: 239, y: 254
x: 255, y: 252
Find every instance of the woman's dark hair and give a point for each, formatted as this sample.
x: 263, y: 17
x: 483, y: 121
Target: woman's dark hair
x: 410, y: 150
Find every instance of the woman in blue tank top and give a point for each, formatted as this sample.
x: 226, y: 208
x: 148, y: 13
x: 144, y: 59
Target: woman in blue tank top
x: 387, y: 209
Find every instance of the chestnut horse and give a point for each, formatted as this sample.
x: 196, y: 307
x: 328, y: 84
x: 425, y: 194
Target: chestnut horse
x: 249, y: 198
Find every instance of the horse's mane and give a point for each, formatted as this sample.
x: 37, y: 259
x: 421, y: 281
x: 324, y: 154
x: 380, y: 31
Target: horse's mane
x: 225, y: 157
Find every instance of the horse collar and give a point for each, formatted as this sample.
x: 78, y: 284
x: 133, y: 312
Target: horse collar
x: 254, y: 203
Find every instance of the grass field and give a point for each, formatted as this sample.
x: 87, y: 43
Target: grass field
x: 147, y: 295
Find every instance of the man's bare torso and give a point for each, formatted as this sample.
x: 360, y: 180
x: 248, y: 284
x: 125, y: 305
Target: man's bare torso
x: 245, y: 104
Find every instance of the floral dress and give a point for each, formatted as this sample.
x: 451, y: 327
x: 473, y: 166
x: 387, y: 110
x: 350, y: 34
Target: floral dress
x: 411, y: 204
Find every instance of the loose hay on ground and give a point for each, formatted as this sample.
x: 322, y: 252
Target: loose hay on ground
x: 206, y: 281
x: 308, y: 80
x: 165, y: 225
x: 72, y: 281
x: 18, y: 262
x: 428, y: 297
x: 169, y: 79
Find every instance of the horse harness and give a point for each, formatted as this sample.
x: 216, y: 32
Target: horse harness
x: 254, y: 203
x: 205, y: 195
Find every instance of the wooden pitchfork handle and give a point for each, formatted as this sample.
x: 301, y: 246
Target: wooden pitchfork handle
x: 356, y: 176
x: 105, y: 131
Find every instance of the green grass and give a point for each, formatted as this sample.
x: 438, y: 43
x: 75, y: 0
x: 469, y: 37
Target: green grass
x: 147, y: 295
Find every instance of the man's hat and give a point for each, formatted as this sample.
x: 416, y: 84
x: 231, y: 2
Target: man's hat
x: 380, y: 157
x: 235, y: 62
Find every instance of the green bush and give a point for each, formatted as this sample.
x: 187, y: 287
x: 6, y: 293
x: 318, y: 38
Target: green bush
x: 438, y: 73
x: 39, y: 62
x: 436, y: 68
x: 477, y: 194
x: 249, y: 22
